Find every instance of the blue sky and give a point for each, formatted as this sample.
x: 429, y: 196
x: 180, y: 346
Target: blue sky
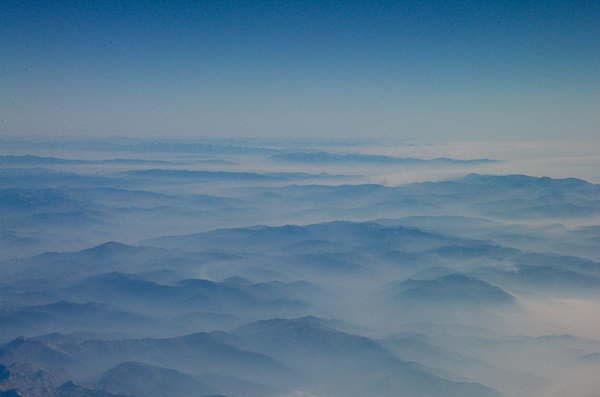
x: 437, y: 70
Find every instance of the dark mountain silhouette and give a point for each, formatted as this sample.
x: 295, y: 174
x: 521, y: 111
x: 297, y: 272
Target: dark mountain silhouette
x: 196, y: 353
x: 331, y: 355
x: 25, y: 376
x: 325, y: 157
x: 452, y: 289
x: 44, y: 356
x: 220, y: 176
x: 71, y: 389
x: 38, y: 160
x: 142, y: 380
x: 364, y: 235
x: 66, y: 316
x: 109, y: 257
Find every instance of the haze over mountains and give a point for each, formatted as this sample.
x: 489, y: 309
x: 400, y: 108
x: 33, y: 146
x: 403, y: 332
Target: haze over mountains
x: 210, y: 269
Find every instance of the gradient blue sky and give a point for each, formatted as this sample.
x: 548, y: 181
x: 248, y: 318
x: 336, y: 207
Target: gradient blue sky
x: 433, y: 70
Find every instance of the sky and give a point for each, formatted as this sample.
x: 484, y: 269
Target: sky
x: 426, y: 70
